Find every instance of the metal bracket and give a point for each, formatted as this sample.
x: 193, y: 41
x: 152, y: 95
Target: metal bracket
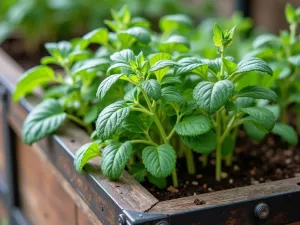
x: 138, y: 218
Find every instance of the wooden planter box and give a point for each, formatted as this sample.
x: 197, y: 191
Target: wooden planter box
x: 39, y: 184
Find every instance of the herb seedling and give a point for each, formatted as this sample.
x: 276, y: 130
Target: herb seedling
x: 283, y: 54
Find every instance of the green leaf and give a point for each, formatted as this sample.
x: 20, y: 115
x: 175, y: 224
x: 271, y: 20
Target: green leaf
x: 191, y: 64
x: 261, y: 116
x: 218, y: 35
x: 257, y: 92
x: 295, y: 60
x: 132, y: 94
x: 204, y: 144
x: 175, y: 43
x: 214, y: 65
x: 133, y: 124
x: 135, y: 34
x: 286, y: 132
x: 162, y: 64
x: 266, y: 40
x: 31, y: 79
x: 160, y: 183
x: 111, y: 118
x: 138, y: 171
x: 93, y: 64
x: 253, y: 64
x: 43, y: 120
x: 159, y: 57
x: 85, y: 153
x: 123, y: 56
x: 106, y: 84
x: 49, y: 60
x: 194, y: 125
x: 212, y: 96
x: 152, y: 88
x: 114, y: 158
x: 171, y: 80
x: 228, y: 145
x: 60, y: 49
x: 290, y: 13
x: 175, y: 22
x: 172, y: 94
x: 97, y: 36
x: 229, y: 65
x: 254, y: 132
x: 159, y: 161
x: 91, y: 115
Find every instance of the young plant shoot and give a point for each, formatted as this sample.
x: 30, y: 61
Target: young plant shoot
x: 283, y: 54
x: 151, y: 99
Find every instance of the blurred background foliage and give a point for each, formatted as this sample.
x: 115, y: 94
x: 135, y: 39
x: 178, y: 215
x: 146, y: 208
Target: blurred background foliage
x: 34, y: 22
x: 45, y: 20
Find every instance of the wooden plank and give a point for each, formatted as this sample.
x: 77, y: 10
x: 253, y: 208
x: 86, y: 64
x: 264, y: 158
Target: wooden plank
x: 10, y: 68
x: 227, y: 196
x: 3, y: 214
x: 43, y: 200
x: 82, y: 219
x: 269, y: 14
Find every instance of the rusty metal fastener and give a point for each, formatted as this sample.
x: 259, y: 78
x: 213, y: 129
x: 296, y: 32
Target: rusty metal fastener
x: 262, y: 211
x: 162, y: 223
x: 122, y: 220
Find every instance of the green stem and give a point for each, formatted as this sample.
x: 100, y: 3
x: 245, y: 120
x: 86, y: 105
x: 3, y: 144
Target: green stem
x: 80, y: 122
x: 228, y: 159
x: 161, y: 130
x: 218, y: 147
x: 190, y: 161
x: 293, y: 29
x: 175, y: 178
x: 141, y: 110
x: 143, y: 142
x: 222, y: 64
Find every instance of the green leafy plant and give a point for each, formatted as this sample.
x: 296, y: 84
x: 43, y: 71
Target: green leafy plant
x: 150, y: 98
x: 156, y: 113
x: 282, y: 53
x: 70, y: 92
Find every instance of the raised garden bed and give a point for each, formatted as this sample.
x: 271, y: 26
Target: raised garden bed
x: 126, y: 201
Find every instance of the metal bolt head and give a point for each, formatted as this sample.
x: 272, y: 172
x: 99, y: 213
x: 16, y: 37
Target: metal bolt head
x: 122, y: 220
x: 262, y: 211
x: 162, y: 223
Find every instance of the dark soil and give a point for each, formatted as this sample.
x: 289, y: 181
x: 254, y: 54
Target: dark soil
x: 253, y: 163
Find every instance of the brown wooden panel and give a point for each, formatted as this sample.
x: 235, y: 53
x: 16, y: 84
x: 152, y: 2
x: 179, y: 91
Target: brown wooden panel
x: 127, y: 191
x: 43, y: 200
x: 227, y: 196
x: 82, y: 219
x: 269, y: 14
x: 3, y: 214
x: 297, y: 223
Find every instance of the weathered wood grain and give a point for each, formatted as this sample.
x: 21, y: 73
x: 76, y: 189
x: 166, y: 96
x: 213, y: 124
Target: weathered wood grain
x: 3, y: 213
x: 43, y: 200
x: 227, y: 196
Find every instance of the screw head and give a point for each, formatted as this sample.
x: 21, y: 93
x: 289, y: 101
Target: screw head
x: 122, y: 220
x: 162, y: 223
x: 262, y: 211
